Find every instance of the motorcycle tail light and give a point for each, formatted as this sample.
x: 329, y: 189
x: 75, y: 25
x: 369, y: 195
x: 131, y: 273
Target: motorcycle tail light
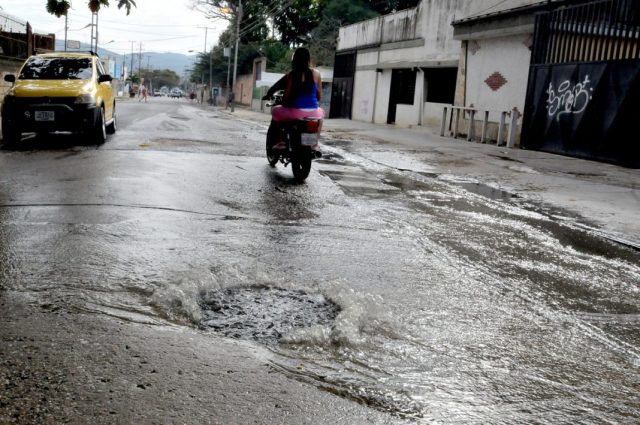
x: 312, y: 126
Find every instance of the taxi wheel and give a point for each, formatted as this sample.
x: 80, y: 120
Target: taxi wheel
x: 112, y: 127
x: 10, y: 136
x: 100, y: 130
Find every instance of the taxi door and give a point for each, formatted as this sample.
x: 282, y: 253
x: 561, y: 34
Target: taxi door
x: 105, y: 92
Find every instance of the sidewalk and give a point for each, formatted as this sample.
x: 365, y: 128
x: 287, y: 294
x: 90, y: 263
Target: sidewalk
x: 605, y: 198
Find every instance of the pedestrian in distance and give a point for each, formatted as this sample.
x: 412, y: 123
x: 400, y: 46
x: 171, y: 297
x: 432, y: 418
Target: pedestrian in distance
x: 142, y: 93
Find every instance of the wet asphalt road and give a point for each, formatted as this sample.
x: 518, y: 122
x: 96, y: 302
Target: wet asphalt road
x: 389, y: 293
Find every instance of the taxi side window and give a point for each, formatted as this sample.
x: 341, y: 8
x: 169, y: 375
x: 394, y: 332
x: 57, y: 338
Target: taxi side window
x: 99, y: 67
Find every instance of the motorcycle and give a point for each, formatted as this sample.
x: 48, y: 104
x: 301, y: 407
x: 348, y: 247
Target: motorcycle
x: 299, y: 136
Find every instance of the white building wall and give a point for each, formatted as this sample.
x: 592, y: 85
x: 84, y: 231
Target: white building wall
x: 363, y: 87
x: 421, y: 36
x: 409, y: 115
x: 382, y: 99
x: 506, y: 56
x: 388, y: 57
x: 363, y: 96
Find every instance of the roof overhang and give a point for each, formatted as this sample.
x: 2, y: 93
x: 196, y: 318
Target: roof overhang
x: 505, y: 23
x: 410, y: 64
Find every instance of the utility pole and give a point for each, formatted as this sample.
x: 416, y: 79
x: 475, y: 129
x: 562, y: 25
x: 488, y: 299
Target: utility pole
x: 210, y: 72
x: 235, y: 59
x: 140, y: 61
x: 66, y: 28
x: 227, y: 54
x: 94, y: 32
x: 131, y: 69
x: 206, y: 29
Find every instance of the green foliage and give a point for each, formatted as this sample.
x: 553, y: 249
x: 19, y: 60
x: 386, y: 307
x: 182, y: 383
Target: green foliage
x: 272, y: 28
x: 162, y: 77
x: 58, y: 7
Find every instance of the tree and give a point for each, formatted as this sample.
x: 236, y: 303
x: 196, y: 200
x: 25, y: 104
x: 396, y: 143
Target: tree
x: 296, y: 20
x: 313, y: 23
x: 161, y: 77
x: 61, y: 7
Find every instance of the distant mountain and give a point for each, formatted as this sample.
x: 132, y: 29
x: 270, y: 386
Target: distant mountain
x: 174, y: 61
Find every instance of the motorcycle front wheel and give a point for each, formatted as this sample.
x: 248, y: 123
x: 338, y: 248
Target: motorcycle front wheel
x: 300, y: 165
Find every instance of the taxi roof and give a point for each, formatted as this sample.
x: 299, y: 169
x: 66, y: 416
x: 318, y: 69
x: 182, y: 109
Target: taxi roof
x: 67, y: 55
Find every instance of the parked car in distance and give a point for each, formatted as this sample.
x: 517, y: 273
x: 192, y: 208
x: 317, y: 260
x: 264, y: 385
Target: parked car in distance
x: 157, y: 93
x: 175, y: 93
x: 59, y: 92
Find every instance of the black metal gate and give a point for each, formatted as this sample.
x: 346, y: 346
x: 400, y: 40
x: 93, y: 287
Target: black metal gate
x: 342, y: 89
x: 584, y: 82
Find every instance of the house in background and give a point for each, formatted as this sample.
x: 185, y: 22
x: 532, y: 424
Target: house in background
x: 263, y: 80
x: 570, y: 69
x: 402, y: 68
x: 17, y: 43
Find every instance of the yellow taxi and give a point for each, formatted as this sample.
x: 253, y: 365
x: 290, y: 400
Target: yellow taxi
x: 59, y: 92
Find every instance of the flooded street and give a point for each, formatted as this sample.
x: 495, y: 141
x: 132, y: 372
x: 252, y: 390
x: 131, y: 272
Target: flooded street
x: 418, y: 296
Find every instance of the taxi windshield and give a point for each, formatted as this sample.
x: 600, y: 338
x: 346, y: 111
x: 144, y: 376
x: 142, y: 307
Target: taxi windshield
x: 57, y: 69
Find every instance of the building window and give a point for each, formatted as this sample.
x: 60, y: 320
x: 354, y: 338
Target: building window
x: 403, y: 86
x: 440, y: 84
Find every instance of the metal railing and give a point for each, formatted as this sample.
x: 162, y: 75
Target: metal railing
x: 596, y: 31
x: 13, y: 37
x: 453, y: 118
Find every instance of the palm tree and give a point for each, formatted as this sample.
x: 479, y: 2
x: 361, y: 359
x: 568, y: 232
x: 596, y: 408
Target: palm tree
x: 61, y: 7
x: 58, y: 7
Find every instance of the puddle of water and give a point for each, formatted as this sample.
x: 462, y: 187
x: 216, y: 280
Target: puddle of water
x: 264, y: 314
x: 488, y: 191
x: 506, y: 158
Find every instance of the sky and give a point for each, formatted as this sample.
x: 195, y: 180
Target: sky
x: 159, y: 25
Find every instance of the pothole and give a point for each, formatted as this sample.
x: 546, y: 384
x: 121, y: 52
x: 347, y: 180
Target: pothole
x: 264, y: 314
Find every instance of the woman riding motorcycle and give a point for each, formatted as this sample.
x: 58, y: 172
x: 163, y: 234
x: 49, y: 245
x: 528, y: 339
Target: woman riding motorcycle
x: 302, y: 92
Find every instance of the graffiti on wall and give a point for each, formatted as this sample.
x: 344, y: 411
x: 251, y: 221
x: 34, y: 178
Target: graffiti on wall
x: 568, y: 98
x: 585, y: 110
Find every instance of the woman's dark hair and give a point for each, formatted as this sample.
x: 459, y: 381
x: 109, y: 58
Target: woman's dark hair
x: 300, y: 64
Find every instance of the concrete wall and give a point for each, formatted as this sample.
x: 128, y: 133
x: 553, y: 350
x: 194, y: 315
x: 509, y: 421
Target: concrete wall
x: 432, y: 115
x: 423, y: 37
x: 391, y: 28
x: 489, y: 61
x: 430, y: 20
x: 382, y: 97
x: 244, y: 89
x: 364, y: 95
x: 8, y: 66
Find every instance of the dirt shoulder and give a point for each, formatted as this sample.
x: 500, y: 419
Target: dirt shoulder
x: 69, y: 367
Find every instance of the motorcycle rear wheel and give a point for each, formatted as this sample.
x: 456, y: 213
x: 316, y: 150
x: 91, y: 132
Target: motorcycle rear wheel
x: 272, y: 157
x: 301, y: 165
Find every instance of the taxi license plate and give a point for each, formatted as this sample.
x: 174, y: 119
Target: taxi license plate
x: 309, y: 139
x: 45, y: 116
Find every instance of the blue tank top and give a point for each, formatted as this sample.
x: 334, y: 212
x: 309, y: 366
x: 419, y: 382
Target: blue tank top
x: 309, y: 100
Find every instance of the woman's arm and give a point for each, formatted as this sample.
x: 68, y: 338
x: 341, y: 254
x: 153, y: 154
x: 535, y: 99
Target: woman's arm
x: 318, y: 80
x: 281, y: 84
